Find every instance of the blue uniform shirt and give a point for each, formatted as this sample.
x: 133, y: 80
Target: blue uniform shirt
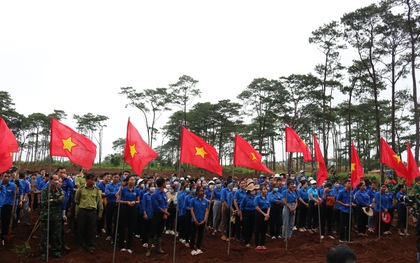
x: 129, y: 195
x: 314, y: 193
x: 146, y: 205
x: 199, y: 206
x: 217, y: 194
x: 344, y: 197
x: 290, y: 196
x: 247, y: 203
x: 10, y: 192
x: 181, y: 199
x: 273, y: 197
x: 262, y: 203
x: 239, y: 196
x: 110, y: 191
x: 363, y: 198
x: 303, y: 193
x: 159, y: 201
x: 381, y: 202
x: 187, y: 203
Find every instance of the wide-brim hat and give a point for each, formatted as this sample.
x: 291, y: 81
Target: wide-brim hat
x: 368, y: 211
x: 386, y: 217
x: 250, y: 187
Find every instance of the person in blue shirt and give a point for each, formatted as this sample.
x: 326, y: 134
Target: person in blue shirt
x: 248, y: 213
x: 262, y: 215
x: 217, y: 206
x: 230, y: 228
x: 312, y: 217
x: 275, y: 211
x: 191, y: 190
x: 401, y: 210
x: 290, y: 199
x: 9, y: 198
x: 146, y: 207
x: 199, y: 209
x: 237, y: 199
x: 344, y: 199
x: 327, y: 208
x: 111, y: 190
x: 337, y: 187
x: 129, y: 198
x: 362, y: 201
x: 380, y: 204
x: 23, y: 205
x: 390, y: 197
x: 371, y: 188
x: 106, y: 178
x: 225, y: 210
x: 303, y: 205
x: 160, y: 213
x: 181, y: 212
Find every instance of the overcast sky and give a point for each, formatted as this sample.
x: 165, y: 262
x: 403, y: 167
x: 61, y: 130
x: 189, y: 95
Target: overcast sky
x: 75, y: 55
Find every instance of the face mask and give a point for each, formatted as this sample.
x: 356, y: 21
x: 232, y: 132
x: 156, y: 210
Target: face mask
x: 152, y: 189
x: 253, y: 192
x: 336, y: 185
x: 292, y: 178
x: 55, y: 183
x: 187, y: 189
x: 235, y: 189
x: 211, y: 187
x: 219, y: 185
x: 142, y: 186
x: 168, y: 186
x: 171, y: 191
x: 313, y: 186
x: 204, y: 185
x: 198, y: 182
x: 202, y: 178
x: 276, y: 189
x: 194, y: 191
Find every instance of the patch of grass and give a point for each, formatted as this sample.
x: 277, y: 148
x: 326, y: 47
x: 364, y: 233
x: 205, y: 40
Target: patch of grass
x: 23, y: 250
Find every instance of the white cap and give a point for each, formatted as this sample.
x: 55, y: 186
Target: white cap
x: 214, y: 178
x: 312, y: 182
x: 211, y: 182
x: 276, y: 176
x: 302, y: 171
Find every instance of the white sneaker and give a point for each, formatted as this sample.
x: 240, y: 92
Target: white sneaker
x: 273, y: 237
x: 198, y: 252
x: 322, y: 237
x: 182, y: 241
x: 167, y: 232
x: 130, y: 251
x: 123, y: 249
x: 137, y: 236
x: 294, y: 228
x: 193, y: 253
x: 145, y: 245
x: 172, y: 232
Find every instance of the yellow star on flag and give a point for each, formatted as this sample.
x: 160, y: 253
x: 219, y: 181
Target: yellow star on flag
x: 68, y: 144
x: 133, y: 150
x: 353, y: 166
x: 253, y: 156
x: 200, y: 151
x: 397, y: 158
x: 11, y: 154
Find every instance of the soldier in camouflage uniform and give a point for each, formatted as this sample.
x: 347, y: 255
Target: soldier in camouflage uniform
x: 56, y: 199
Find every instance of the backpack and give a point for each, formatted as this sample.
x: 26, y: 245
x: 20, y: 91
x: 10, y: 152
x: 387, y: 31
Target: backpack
x: 330, y: 201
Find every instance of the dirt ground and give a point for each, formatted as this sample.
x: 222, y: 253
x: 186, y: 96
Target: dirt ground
x: 303, y: 247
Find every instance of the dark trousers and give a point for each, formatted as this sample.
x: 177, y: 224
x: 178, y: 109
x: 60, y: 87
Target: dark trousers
x: 181, y: 227
x: 6, y: 214
x: 275, y: 220
x: 86, y: 223
x: 312, y: 217
x: 249, y: 224
x: 146, y: 230
x: 158, y: 224
x: 110, y: 210
x: 303, y: 212
x: 187, y: 225
x: 127, y: 221
x: 336, y: 219
x: 402, y: 216
x: 196, y: 230
x: 100, y: 223
x: 260, y: 228
x: 344, y: 226
x: 326, y: 219
x: 378, y: 220
x: 170, y: 221
x: 239, y: 233
x: 387, y: 226
x: 362, y: 219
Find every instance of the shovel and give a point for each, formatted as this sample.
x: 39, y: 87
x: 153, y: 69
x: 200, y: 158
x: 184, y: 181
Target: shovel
x: 10, y: 236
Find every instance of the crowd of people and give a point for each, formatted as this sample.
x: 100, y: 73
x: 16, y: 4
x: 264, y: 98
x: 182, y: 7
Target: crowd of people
x: 120, y: 207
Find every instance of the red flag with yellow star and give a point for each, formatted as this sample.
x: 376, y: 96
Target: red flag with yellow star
x: 322, y: 173
x: 391, y: 159
x: 295, y: 144
x: 137, y: 153
x: 197, y: 152
x: 356, y: 167
x: 8, y: 145
x: 412, y: 167
x: 68, y: 143
x: 245, y: 155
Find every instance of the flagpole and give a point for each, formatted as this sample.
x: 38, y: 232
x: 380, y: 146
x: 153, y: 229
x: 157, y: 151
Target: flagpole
x: 48, y: 209
x: 319, y: 222
x: 118, y: 217
x: 177, y: 204
x: 406, y: 222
